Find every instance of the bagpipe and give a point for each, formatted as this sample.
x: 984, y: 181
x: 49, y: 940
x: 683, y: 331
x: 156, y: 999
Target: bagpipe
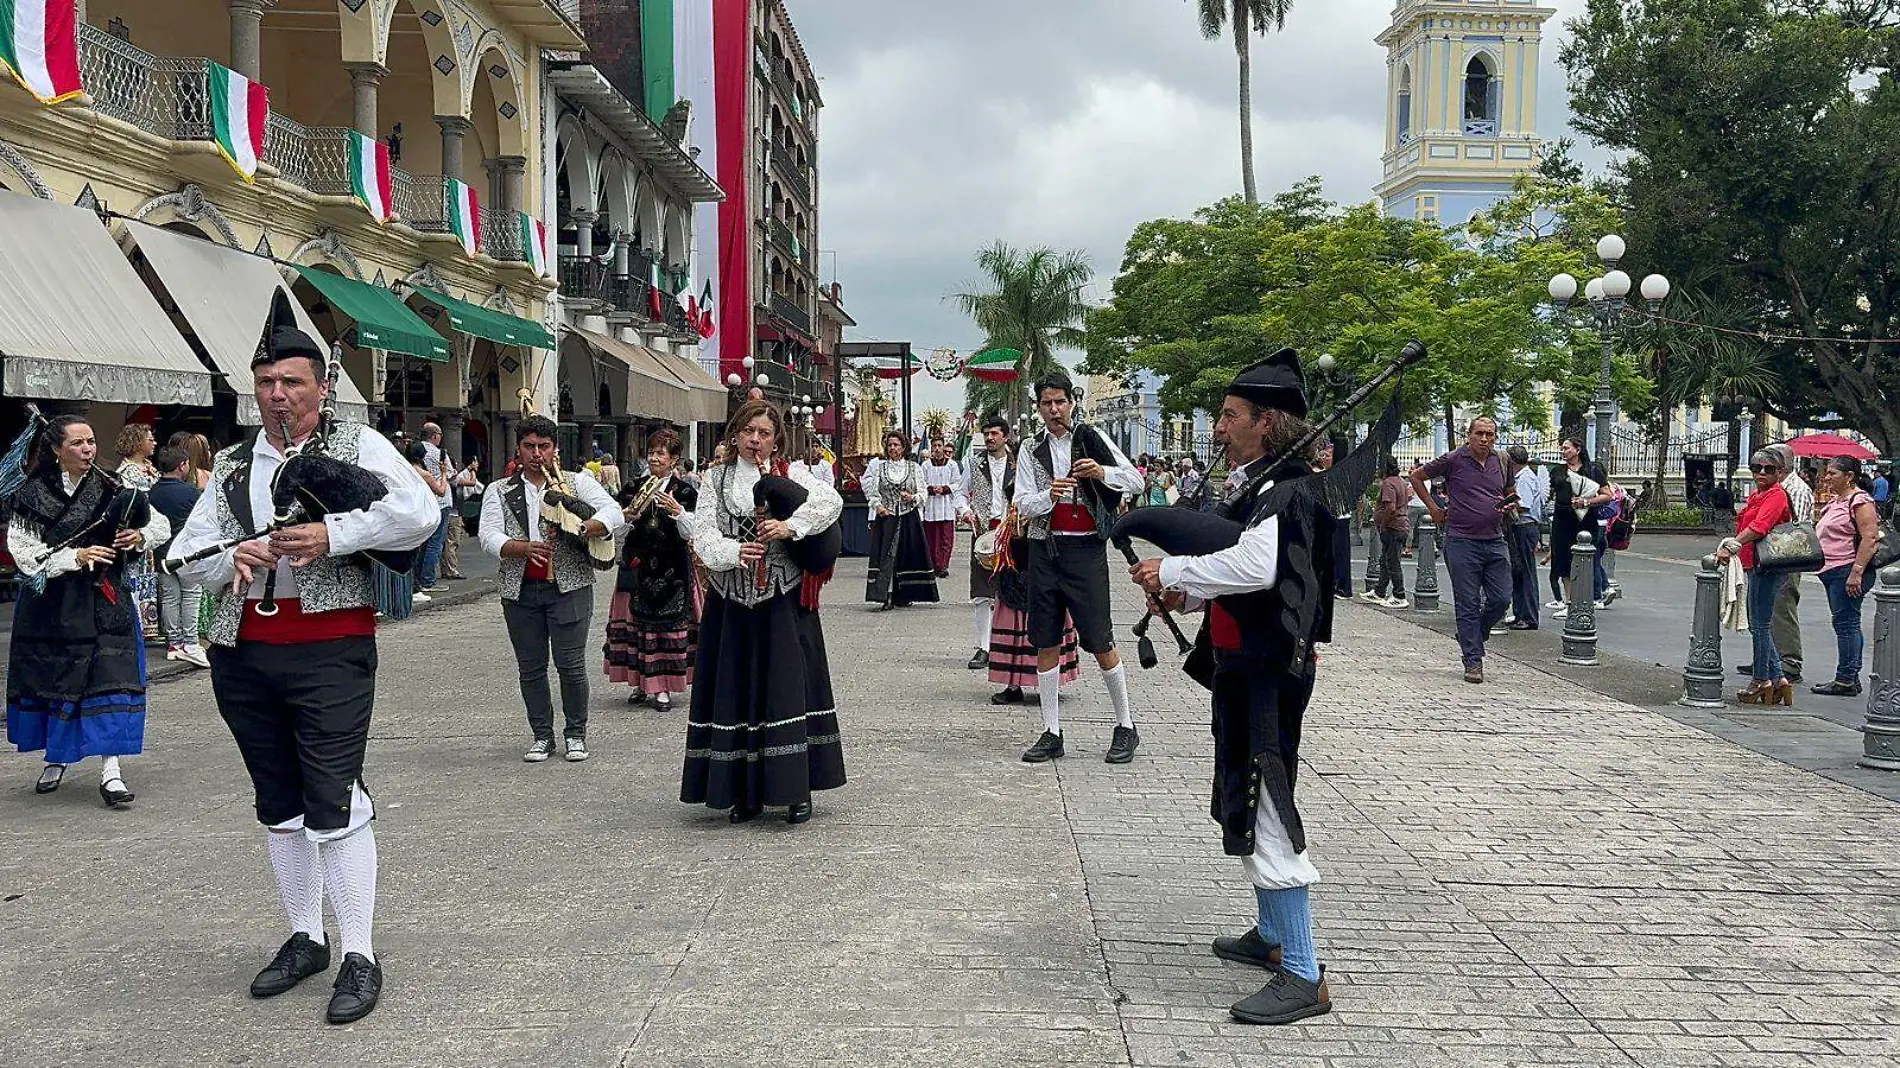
x: 777, y: 497
x: 566, y: 516
x: 1184, y: 532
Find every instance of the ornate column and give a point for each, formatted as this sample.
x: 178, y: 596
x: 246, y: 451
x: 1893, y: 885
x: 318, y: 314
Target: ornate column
x: 514, y: 170
x: 364, y: 78
x: 247, y: 27
x: 454, y: 129
x: 583, y: 220
x: 1580, y: 626
x: 623, y: 258
x: 1425, y: 582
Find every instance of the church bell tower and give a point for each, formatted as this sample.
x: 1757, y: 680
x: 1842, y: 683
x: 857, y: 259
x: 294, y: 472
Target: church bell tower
x: 1461, y: 104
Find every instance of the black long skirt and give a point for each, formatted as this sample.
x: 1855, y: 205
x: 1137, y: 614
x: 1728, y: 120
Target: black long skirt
x: 761, y: 730
x: 914, y: 572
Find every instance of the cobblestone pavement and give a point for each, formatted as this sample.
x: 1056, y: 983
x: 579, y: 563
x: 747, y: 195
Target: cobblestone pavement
x: 1523, y: 873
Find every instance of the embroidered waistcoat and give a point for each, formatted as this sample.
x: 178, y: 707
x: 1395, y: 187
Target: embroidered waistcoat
x: 572, y: 570
x: 740, y: 585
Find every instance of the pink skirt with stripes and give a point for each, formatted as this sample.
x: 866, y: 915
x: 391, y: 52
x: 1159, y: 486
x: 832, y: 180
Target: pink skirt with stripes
x: 1013, y: 659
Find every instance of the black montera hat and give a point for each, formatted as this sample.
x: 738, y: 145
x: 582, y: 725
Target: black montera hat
x: 283, y: 338
x: 1275, y: 382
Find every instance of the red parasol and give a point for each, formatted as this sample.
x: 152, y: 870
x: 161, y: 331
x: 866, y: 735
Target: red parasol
x: 1824, y: 446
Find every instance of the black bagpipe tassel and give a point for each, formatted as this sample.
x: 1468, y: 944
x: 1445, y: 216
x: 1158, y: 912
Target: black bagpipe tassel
x: 1145, y: 649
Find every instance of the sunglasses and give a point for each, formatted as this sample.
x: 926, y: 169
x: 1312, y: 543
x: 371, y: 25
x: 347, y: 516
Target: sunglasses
x: 1763, y: 469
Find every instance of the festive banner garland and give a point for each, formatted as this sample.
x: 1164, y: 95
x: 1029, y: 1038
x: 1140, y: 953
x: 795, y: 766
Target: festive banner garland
x: 943, y: 364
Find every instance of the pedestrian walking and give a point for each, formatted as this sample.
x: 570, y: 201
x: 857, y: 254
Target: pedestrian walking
x: 295, y: 680
x: 1850, y: 532
x: 653, y: 623
x: 943, y: 501
x: 1527, y: 535
x: 1389, y: 521
x: 1070, y: 484
x: 76, y: 658
x: 1270, y: 602
x: 1883, y: 491
x: 1766, y: 509
x: 902, y: 572
x: 1476, y: 492
x: 174, y: 496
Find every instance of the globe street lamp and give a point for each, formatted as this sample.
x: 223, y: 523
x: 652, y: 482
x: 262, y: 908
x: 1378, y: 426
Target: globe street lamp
x: 1610, y: 311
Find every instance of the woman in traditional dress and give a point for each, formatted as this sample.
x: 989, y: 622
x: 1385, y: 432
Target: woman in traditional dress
x: 76, y: 672
x: 1012, y: 655
x: 901, y: 569
x: 653, y: 627
x: 135, y: 446
x: 762, y: 728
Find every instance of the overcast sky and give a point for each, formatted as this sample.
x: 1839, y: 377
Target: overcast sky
x: 1067, y: 123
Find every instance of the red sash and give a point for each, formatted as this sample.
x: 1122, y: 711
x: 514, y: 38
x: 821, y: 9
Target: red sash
x: 1072, y: 519
x: 290, y: 626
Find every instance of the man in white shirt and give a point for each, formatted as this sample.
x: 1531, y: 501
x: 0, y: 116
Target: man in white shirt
x: 815, y: 465
x: 943, y: 500
x: 547, y: 579
x: 987, y: 483
x: 1269, y: 600
x: 1527, y: 535
x: 430, y: 570
x: 1069, y: 484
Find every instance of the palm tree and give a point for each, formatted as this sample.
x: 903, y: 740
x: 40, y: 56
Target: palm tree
x: 1034, y: 305
x: 1241, y: 16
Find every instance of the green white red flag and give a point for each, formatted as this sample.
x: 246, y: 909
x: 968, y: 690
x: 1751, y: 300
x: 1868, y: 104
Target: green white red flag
x: 655, y: 302
x: 369, y: 175
x: 534, y: 244
x: 465, y: 215
x: 240, y: 112
x: 39, y: 46
x: 704, y: 322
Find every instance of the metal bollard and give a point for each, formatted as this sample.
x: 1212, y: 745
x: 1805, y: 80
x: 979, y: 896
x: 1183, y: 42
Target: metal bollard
x: 1880, y: 736
x: 1580, y: 625
x: 1425, y: 583
x: 1375, y: 560
x: 1702, y: 678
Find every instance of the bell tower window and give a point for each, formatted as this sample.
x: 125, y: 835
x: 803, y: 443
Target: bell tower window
x: 1405, y: 104
x: 1481, y: 98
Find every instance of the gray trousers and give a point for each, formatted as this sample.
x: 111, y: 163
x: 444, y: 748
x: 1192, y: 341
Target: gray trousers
x: 178, y: 609
x: 546, y: 619
x: 1785, y: 624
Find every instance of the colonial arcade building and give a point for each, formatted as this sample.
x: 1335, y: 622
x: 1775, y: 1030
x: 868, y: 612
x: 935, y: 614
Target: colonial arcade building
x: 396, y: 189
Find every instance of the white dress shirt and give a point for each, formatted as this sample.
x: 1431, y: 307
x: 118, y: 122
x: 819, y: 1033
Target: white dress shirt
x: 943, y: 507
x: 494, y: 531
x: 910, y: 475
x: 436, y: 462
x: 403, y: 519
x: 821, y: 470
x: 1252, y: 564
x: 718, y: 552
x: 1120, y: 476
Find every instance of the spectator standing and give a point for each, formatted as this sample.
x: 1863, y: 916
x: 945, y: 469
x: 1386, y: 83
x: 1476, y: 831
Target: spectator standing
x: 435, y: 466
x: 197, y: 457
x: 1527, y: 534
x: 1850, y: 532
x: 1787, y: 615
x: 1766, y: 509
x: 417, y: 454
x: 1883, y: 492
x: 135, y: 446
x: 179, y: 597
x: 1473, y: 519
x: 1576, y: 494
x: 1389, y: 522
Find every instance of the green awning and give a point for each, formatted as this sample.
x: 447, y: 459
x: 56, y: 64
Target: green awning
x: 383, y: 321
x: 499, y: 327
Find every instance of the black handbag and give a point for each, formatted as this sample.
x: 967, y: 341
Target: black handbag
x: 1792, y: 546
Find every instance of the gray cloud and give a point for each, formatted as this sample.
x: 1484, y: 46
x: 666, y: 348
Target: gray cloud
x: 1066, y: 123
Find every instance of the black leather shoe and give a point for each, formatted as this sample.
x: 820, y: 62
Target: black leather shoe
x: 1745, y: 669
x: 1521, y: 625
x: 741, y: 814
x: 1792, y: 674
x: 50, y: 778
x: 114, y: 793
x: 1249, y: 948
x: 299, y: 959
x: 979, y: 660
x: 1048, y: 747
x: 358, y: 984
x: 1837, y: 688
x: 885, y: 607
x: 1285, y: 999
x: 1011, y: 696
x: 1122, y: 749
x: 637, y: 697
x: 798, y: 813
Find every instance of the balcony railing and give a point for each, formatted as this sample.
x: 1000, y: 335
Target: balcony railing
x: 161, y: 95
x: 794, y: 176
x: 1481, y: 127
x: 501, y: 235
x: 584, y: 279
x: 792, y: 312
x: 789, y: 244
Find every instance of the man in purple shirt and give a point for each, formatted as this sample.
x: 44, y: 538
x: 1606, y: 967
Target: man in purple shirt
x: 1478, y: 492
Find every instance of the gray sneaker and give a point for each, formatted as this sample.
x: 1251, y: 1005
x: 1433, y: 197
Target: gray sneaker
x: 542, y: 749
x: 576, y: 750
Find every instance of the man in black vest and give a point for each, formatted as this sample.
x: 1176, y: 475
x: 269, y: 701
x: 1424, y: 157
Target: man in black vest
x: 1269, y: 600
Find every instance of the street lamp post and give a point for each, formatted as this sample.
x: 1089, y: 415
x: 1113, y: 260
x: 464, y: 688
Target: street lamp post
x: 1610, y: 311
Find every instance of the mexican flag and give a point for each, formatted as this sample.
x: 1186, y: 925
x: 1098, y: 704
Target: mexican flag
x: 465, y: 215
x: 534, y: 244
x: 653, y: 290
x: 240, y: 109
x: 704, y: 322
x: 369, y: 175
x: 39, y: 46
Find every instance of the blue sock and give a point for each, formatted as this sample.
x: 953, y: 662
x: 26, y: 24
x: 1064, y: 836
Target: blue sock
x: 1289, y: 914
x: 1264, y: 924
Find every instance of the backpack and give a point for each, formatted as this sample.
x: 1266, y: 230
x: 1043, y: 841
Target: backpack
x: 1618, y: 524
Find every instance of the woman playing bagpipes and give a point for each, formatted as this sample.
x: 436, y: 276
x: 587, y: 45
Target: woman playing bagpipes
x: 76, y: 670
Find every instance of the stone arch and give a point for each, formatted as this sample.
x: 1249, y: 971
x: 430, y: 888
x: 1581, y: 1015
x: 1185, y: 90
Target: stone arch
x: 30, y: 178
x: 679, y: 241
x: 505, y: 77
x: 446, y: 77
x: 326, y: 247
x: 619, y: 193
x: 576, y: 152
x: 653, y: 220
x: 189, y: 205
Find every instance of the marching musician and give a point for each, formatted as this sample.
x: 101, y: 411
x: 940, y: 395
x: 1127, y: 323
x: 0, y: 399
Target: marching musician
x: 295, y: 683
x: 902, y: 572
x: 547, y: 578
x: 76, y: 667
x: 1269, y: 599
x: 653, y: 624
x: 1002, y: 629
x: 943, y: 499
x: 1068, y: 486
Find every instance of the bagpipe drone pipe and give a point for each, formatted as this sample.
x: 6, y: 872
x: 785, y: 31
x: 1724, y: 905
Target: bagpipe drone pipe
x: 1185, y: 532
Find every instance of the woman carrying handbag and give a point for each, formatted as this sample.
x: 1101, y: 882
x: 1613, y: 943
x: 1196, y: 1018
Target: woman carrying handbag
x: 1766, y: 509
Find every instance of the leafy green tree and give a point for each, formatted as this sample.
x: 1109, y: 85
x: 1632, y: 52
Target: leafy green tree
x: 1240, y: 16
x: 1033, y: 304
x: 1755, y: 142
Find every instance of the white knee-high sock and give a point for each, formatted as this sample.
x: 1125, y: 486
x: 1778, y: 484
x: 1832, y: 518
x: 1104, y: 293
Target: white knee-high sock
x: 349, y: 875
x: 1116, y: 679
x: 293, y: 859
x: 981, y: 618
x: 108, y: 769
x: 1049, y: 688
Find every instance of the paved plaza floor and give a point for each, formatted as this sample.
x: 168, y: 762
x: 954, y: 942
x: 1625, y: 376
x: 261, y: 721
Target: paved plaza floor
x: 1527, y: 872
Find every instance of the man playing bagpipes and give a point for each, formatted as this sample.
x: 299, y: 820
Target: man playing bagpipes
x: 285, y: 539
x: 1263, y: 564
